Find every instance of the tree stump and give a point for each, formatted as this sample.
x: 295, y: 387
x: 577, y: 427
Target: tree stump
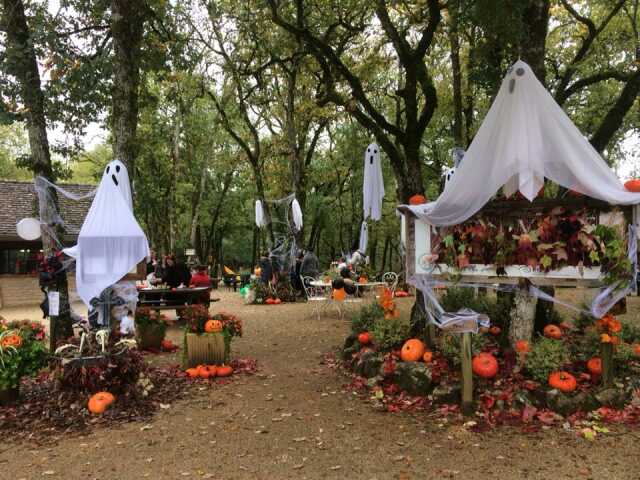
x: 523, y: 314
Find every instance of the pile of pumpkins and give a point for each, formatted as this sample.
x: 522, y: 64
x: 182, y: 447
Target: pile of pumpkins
x: 209, y: 371
x: 273, y: 301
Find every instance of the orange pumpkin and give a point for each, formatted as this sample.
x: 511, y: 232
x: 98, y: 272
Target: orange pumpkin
x: 224, y: 371
x: 412, y: 350
x: 192, y: 372
x: 633, y: 185
x: 99, y: 402
x: 269, y: 301
x: 203, y: 371
x: 594, y: 365
x: 636, y: 349
x: 522, y: 346
x: 213, y: 326
x: 13, y: 340
x: 213, y: 370
x: 427, y: 357
x: 495, y: 330
x: 167, y: 345
x: 364, y: 338
x: 417, y: 200
x: 277, y: 301
x: 485, y: 365
x: 563, y: 381
x: 363, y: 279
x: 339, y: 294
x: 552, y: 331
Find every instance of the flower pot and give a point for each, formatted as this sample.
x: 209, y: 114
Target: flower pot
x: 205, y: 349
x: 9, y: 396
x: 150, y: 336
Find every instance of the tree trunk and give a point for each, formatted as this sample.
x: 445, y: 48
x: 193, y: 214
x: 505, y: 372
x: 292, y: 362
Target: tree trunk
x: 522, y: 317
x: 127, y: 22
x: 534, y: 36
x: 21, y: 60
x: 454, y: 40
x: 196, y: 207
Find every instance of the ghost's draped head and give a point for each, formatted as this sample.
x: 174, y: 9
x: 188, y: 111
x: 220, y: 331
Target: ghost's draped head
x: 116, y: 173
x: 372, y: 154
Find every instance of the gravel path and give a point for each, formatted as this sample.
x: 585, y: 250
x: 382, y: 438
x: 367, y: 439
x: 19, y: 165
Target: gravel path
x: 295, y: 420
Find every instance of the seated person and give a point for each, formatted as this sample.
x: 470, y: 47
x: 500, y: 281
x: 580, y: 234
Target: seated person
x: 201, y: 277
x: 349, y: 285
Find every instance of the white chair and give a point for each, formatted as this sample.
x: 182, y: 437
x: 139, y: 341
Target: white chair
x: 391, y: 281
x: 319, y: 297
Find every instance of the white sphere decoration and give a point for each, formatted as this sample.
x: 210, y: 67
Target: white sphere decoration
x: 28, y: 229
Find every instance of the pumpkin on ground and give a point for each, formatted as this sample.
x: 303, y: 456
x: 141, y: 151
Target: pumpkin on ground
x: 636, y: 349
x: 485, y: 365
x: 552, y: 331
x: 633, y: 185
x: 427, y: 357
x: 412, y: 350
x: 364, y: 338
x: 563, y: 381
x: 192, y: 372
x: 203, y: 371
x: 594, y: 365
x: 99, y: 402
x: 224, y: 371
x: 522, y: 346
x: 213, y: 370
x: 213, y: 326
x: 277, y: 301
x: 269, y: 301
x: 417, y: 200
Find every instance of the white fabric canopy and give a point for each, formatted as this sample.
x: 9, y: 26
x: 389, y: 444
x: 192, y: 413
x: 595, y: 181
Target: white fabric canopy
x: 524, y: 138
x: 111, y: 243
x: 373, y: 185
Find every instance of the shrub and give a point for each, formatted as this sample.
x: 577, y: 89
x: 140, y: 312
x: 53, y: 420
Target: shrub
x: 450, y: 345
x: 630, y: 333
x: 26, y: 358
x: 363, y: 320
x: 547, y: 355
x: 389, y: 334
x: 497, y: 309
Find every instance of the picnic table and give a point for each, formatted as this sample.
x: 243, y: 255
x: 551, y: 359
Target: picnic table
x: 174, y: 299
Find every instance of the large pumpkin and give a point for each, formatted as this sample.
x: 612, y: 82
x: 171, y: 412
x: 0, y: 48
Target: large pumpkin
x: 594, y: 365
x: 563, y: 381
x: 412, y: 350
x: 552, y: 331
x: 417, y: 200
x: 213, y: 326
x: 485, y: 365
x: 99, y: 402
x: 633, y: 185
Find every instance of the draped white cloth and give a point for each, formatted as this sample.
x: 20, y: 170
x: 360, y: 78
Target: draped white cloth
x: 364, y: 237
x: 261, y: 219
x: 373, y: 184
x: 296, y: 213
x: 524, y: 138
x: 111, y: 243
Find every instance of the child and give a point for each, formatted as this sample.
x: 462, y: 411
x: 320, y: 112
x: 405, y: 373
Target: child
x: 127, y: 325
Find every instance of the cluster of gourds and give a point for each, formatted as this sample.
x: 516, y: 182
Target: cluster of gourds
x: 414, y: 350
x: 273, y: 301
x: 209, y: 371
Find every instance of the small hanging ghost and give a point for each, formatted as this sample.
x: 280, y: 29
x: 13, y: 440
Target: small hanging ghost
x: 457, y: 154
x: 110, y: 243
x: 373, y: 185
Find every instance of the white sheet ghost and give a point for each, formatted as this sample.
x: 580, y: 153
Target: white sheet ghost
x: 111, y: 243
x: 373, y: 185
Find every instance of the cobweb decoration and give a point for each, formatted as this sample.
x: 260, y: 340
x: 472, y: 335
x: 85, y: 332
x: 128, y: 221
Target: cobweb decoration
x: 286, y: 221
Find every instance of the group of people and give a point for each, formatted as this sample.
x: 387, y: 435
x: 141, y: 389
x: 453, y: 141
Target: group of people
x: 176, y: 274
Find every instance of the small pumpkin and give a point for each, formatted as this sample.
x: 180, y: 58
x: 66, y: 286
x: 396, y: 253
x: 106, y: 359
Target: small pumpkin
x: 364, y: 338
x: 192, y: 372
x: 412, y: 350
x: 495, y: 330
x: 167, y: 345
x: 203, y: 371
x: 594, y: 365
x: 213, y: 370
x: 552, y: 331
x: 99, y: 402
x: 224, y: 371
x: 213, y: 326
x: 417, y: 200
x: 485, y: 365
x: 633, y: 185
x: 636, y: 349
x: 563, y: 381
x: 427, y: 357
x: 277, y: 301
x: 522, y: 346
x: 269, y: 301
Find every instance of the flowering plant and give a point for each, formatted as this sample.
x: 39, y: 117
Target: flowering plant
x: 387, y: 304
x: 21, y: 352
x: 146, y: 317
x: 609, y: 326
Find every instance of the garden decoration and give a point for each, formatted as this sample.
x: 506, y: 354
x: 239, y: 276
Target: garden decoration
x: 102, y: 306
x: 372, y: 192
x: 516, y: 244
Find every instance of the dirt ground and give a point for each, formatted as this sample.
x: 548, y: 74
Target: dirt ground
x: 295, y: 420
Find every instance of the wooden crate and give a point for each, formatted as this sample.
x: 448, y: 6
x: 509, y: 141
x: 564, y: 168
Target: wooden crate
x: 205, y: 349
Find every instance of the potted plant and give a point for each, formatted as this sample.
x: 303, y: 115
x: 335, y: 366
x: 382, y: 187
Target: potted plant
x: 150, y: 328
x: 22, y: 353
x: 207, y: 339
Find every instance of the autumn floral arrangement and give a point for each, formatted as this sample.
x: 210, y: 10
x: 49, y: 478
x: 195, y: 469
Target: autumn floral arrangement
x: 22, y: 352
x: 546, y: 240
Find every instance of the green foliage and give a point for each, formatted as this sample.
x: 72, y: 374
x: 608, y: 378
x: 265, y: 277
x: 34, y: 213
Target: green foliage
x: 24, y: 360
x: 390, y: 334
x: 365, y: 318
x: 450, y: 345
x: 496, y: 308
x: 630, y: 333
x: 547, y: 355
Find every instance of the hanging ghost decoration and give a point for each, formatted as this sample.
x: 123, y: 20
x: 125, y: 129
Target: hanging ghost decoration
x: 110, y: 243
x: 296, y: 213
x: 373, y: 185
x: 364, y: 237
x: 261, y: 218
x: 457, y: 154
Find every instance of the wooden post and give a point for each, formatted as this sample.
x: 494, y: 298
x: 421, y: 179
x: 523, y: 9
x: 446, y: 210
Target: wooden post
x: 606, y: 354
x: 467, y: 375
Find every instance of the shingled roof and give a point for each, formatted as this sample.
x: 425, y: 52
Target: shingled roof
x: 18, y: 200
